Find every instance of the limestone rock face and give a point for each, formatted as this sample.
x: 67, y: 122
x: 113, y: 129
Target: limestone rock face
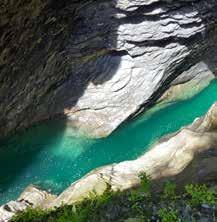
x: 98, y: 62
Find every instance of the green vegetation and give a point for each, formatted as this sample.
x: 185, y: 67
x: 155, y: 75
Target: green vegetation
x: 145, y: 182
x: 141, y: 204
x: 30, y: 215
x: 200, y: 194
x: 169, y: 191
x: 168, y: 215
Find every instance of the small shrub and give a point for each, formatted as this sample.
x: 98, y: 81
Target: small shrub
x: 145, y: 183
x: 135, y: 196
x: 168, y: 215
x: 200, y: 194
x: 169, y: 191
x: 73, y: 214
x: 103, y: 199
x: 30, y: 215
x: 137, y: 209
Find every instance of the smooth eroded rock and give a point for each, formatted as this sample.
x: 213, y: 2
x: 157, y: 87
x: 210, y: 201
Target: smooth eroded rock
x: 31, y: 197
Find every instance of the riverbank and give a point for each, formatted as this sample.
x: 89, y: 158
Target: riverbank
x: 193, y: 203
x: 186, y: 156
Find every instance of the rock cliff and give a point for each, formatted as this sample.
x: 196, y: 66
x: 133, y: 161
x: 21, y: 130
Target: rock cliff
x: 98, y: 63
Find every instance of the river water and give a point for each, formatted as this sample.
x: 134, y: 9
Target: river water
x: 52, y: 155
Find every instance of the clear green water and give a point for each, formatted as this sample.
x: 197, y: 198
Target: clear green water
x: 53, y: 156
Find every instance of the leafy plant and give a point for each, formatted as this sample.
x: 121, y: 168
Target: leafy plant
x: 137, y: 209
x: 200, y: 194
x: 30, y: 214
x: 73, y: 214
x: 145, y: 183
x: 169, y: 191
x: 134, y: 196
x: 97, y: 201
x: 168, y: 215
x: 79, y: 212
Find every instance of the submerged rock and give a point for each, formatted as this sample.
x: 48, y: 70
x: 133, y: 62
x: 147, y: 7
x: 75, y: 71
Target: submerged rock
x: 98, y: 63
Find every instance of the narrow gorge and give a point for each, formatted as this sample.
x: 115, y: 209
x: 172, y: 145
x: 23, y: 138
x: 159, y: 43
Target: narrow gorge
x: 85, y: 85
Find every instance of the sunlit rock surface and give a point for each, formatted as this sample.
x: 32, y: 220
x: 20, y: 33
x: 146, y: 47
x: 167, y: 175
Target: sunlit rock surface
x: 98, y: 62
x: 31, y: 197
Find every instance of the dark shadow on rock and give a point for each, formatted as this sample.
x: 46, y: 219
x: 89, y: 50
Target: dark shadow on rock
x: 201, y: 170
x: 202, y: 45
x: 52, y: 50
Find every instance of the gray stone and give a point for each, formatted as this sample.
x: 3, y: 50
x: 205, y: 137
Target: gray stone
x: 206, y: 206
x: 99, y: 62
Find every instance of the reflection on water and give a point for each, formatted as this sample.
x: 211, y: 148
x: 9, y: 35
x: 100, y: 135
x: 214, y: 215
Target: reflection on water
x: 53, y: 156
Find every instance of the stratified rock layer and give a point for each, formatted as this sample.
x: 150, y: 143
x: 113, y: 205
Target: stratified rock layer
x: 98, y: 62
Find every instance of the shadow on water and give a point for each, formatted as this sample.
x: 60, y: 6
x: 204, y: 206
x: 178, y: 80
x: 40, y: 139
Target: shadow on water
x: 18, y: 152
x: 53, y: 156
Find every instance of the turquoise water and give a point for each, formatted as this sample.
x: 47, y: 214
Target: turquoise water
x: 53, y: 156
